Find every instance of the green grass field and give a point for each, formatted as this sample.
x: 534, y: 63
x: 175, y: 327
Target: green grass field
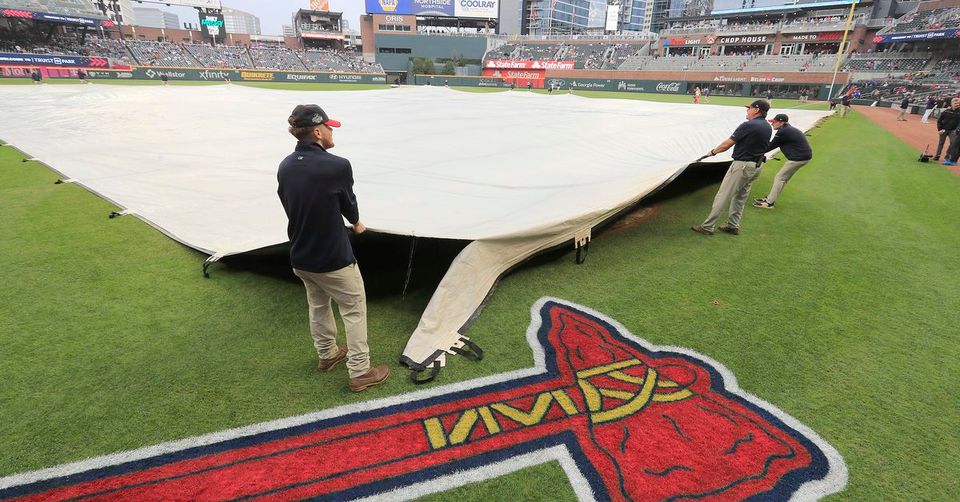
x: 840, y: 307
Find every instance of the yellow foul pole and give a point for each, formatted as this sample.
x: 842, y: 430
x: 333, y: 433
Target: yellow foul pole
x: 843, y: 45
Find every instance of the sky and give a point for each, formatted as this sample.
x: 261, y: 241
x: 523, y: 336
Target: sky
x: 273, y: 14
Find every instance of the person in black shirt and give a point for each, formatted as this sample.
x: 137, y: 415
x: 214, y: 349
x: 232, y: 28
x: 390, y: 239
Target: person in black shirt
x: 36, y: 76
x: 904, y: 107
x: 794, y: 145
x: 164, y: 78
x: 749, y: 142
x: 845, y: 105
x: 948, y: 126
x: 316, y: 190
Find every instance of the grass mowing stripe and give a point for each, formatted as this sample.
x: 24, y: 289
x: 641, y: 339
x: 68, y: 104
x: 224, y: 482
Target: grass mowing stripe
x: 839, y: 307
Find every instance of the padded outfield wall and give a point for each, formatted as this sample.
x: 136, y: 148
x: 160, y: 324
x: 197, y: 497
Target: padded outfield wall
x: 205, y: 75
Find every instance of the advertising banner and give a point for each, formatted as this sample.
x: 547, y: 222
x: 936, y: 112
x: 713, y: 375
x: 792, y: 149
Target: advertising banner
x: 699, y: 40
x: 649, y: 86
x: 212, y: 26
x: 15, y: 59
x: 530, y: 65
x: 518, y: 77
x: 205, y: 4
x: 213, y: 75
x: 390, y: 7
x: 922, y: 35
x: 749, y: 39
x: 56, y: 18
x: 434, y: 8
x: 484, y: 9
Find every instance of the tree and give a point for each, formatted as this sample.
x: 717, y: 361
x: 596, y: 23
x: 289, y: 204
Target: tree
x: 423, y: 66
x: 448, y: 68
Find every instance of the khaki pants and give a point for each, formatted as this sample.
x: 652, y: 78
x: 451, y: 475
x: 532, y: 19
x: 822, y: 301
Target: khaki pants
x: 346, y: 287
x: 733, y: 193
x: 903, y: 114
x: 844, y: 110
x: 783, y: 176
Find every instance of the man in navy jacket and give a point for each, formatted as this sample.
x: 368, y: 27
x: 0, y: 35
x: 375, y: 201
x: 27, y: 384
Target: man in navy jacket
x: 316, y: 190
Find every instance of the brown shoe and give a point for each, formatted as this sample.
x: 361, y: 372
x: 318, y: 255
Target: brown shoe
x: 376, y: 376
x: 326, y: 364
x: 730, y: 230
x: 700, y: 230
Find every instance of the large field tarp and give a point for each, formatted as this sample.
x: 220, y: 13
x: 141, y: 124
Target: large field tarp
x: 514, y: 172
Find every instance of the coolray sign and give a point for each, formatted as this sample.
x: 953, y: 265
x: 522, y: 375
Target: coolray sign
x: 625, y: 419
x: 444, y: 8
x: 486, y: 9
x: 530, y: 65
x: 753, y: 39
x: 215, y: 75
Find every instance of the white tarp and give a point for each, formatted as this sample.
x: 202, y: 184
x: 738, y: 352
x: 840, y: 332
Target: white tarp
x: 517, y: 172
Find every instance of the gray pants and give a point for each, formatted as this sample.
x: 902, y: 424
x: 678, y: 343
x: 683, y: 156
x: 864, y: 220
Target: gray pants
x: 954, y: 144
x: 346, y: 287
x: 783, y: 176
x: 733, y: 193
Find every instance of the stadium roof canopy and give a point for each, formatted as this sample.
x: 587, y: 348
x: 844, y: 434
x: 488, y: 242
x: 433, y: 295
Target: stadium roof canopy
x: 514, y: 172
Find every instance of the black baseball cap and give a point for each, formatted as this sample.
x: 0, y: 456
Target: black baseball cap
x: 760, y: 104
x: 780, y: 117
x: 311, y: 115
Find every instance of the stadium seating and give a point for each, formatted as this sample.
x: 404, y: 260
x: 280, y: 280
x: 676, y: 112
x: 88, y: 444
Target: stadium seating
x: 886, y: 63
x: 221, y: 56
x: 330, y: 60
x: 160, y: 53
x: 276, y: 58
x: 935, y: 19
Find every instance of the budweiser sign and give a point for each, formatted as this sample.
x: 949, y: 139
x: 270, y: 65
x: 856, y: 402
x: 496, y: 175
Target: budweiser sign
x: 529, y: 65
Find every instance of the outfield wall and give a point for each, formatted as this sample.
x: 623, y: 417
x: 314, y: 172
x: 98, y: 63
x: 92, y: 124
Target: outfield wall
x: 203, y: 75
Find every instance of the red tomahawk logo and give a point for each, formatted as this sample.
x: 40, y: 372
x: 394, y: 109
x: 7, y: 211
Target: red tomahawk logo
x: 639, y: 424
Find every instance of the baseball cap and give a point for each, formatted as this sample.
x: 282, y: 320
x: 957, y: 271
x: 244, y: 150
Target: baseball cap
x: 780, y: 117
x: 311, y: 115
x: 760, y: 104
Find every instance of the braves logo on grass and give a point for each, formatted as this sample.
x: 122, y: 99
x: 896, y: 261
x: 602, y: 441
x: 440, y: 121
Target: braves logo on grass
x: 626, y: 420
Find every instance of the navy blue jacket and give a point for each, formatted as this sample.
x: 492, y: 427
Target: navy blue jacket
x: 792, y: 142
x: 316, y: 190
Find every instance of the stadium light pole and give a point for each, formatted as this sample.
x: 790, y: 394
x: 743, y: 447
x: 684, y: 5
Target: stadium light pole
x: 843, y: 43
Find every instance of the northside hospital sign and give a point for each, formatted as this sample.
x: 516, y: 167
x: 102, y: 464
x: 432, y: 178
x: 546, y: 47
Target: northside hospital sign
x: 483, y: 9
